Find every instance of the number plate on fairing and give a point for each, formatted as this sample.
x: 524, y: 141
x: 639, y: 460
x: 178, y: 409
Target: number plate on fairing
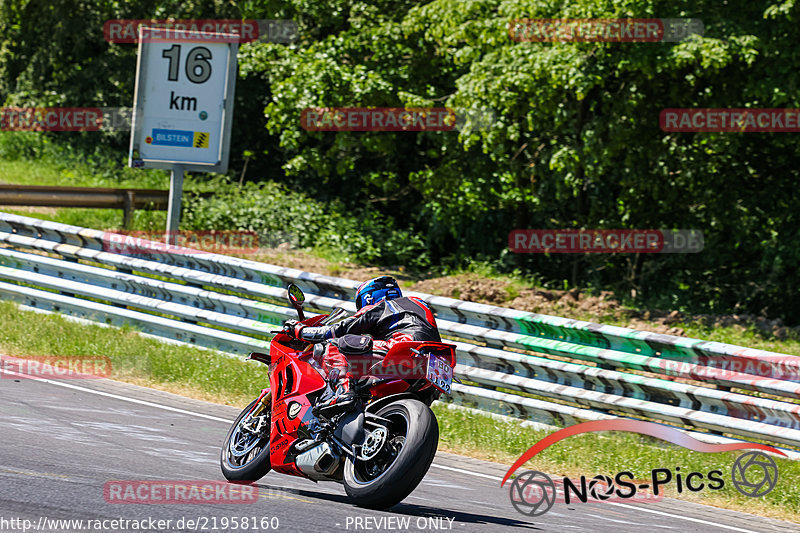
x: 440, y: 374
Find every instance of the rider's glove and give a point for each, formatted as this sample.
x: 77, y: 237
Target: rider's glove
x: 293, y: 328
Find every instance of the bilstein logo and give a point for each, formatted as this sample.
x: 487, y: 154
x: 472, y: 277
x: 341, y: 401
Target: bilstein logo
x: 533, y: 493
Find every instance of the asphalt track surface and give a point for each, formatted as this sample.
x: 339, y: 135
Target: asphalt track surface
x: 61, y: 442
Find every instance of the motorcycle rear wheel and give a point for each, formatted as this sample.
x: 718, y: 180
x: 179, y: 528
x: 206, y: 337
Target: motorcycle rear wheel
x: 245, y: 455
x: 405, y: 455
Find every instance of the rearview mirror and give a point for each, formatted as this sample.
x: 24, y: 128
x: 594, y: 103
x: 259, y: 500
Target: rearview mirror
x: 296, y: 295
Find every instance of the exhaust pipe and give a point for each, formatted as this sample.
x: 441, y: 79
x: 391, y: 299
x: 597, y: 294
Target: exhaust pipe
x: 319, y: 462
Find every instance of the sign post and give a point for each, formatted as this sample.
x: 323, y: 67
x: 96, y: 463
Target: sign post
x: 174, y: 208
x: 183, y: 106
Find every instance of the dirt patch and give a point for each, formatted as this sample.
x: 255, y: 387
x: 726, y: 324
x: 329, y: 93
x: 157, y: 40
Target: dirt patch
x: 572, y: 303
x: 301, y: 260
x: 586, y: 306
x: 466, y: 287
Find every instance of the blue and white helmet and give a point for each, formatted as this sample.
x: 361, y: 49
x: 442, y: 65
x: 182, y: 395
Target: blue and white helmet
x: 374, y: 290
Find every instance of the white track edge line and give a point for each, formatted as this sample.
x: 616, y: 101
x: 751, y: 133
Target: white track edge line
x: 699, y: 521
x: 118, y: 397
x: 466, y: 472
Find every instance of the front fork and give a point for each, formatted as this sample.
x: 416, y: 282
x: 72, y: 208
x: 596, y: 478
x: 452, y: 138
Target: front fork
x: 263, y: 402
x: 265, y: 399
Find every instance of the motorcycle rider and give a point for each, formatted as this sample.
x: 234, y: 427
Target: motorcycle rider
x: 384, y: 314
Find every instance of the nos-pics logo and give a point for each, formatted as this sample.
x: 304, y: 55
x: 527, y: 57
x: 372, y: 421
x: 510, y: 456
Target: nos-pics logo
x: 533, y: 493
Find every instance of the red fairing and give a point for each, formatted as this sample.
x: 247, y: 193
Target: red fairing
x: 401, y: 351
x: 391, y: 387
x: 293, y: 379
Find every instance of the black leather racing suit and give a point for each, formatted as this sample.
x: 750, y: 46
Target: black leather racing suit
x: 388, y: 321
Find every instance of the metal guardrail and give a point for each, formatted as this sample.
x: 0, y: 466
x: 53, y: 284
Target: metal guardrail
x: 505, y: 355
x: 88, y: 197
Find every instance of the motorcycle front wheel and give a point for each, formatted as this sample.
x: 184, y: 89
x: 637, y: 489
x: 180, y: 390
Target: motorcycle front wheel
x: 245, y: 453
x: 395, y: 458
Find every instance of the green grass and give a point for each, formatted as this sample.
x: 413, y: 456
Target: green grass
x: 747, y: 337
x: 65, y: 174
x: 200, y: 373
x: 211, y: 376
x: 105, y: 219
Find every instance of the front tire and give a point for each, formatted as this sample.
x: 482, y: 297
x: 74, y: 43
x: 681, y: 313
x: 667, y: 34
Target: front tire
x: 245, y: 453
x: 405, y: 454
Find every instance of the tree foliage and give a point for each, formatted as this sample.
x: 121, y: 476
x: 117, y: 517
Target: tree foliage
x: 576, y: 142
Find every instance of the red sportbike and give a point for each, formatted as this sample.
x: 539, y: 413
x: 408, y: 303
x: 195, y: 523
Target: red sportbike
x: 379, y: 451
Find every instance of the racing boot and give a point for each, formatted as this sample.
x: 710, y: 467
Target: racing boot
x: 344, y: 399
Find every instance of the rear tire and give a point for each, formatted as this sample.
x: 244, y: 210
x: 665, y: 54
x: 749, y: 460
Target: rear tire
x: 403, y: 459
x: 254, y: 464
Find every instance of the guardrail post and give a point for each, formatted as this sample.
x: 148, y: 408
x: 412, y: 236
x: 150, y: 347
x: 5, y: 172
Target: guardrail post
x: 130, y: 205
